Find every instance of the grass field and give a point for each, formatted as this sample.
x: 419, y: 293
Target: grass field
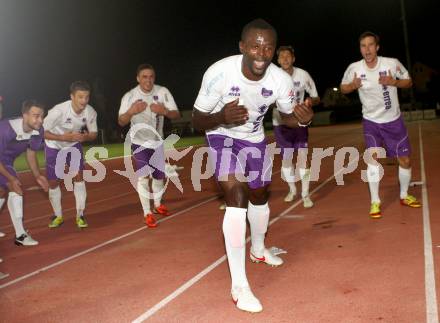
x: 114, y: 150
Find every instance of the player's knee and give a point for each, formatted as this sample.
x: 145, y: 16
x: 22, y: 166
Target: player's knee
x: 3, y: 193
x: 236, y: 196
x: 53, y: 184
x: 259, y: 196
x: 404, y: 162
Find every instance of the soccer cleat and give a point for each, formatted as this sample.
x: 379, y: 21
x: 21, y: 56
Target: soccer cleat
x: 267, y: 258
x: 410, y: 201
x: 2, y: 234
x: 150, y: 221
x: 290, y: 197
x: 81, y: 222
x: 245, y: 300
x: 162, y: 210
x: 375, y: 210
x: 222, y: 206
x: 56, y: 221
x: 25, y: 240
x: 307, y: 202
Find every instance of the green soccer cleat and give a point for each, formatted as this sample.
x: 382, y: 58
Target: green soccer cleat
x: 81, y: 222
x: 375, y: 212
x: 56, y: 221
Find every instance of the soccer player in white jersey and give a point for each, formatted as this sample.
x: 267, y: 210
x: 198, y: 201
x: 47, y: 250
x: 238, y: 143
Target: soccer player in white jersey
x: 235, y: 94
x: 295, y: 139
x: 66, y: 127
x: 145, y: 108
x: 376, y: 79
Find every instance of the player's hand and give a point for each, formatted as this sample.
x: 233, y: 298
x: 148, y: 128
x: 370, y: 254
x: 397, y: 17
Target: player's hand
x: 232, y: 113
x: 138, y: 107
x: 42, y: 181
x: 14, y: 185
x: 303, y: 111
x: 356, y: 83
x: 387, y: 79
x: 75, y: 137
x: 158, y: 108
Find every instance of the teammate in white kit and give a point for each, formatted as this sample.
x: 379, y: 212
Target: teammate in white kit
x: 145, y: 108
x: 376, y: 79
x: 236, y: 93
x: 66, y: 127
x: 292, y: 140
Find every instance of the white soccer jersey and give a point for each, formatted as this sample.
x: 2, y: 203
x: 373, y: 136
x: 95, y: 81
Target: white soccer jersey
x: 380, y: 103
x: 62, y: 119
x: 302, y: 83
x: 159, y: 94
x: 224, y: 82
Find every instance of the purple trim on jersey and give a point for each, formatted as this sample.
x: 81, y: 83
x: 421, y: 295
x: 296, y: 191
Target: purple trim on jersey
x: 51, y: 158
x: 393, y: 136
x: 287, y: 137
x: 153, y: 159
x: 225, y: 155
x: 11, y: 148
x: 3, y: 179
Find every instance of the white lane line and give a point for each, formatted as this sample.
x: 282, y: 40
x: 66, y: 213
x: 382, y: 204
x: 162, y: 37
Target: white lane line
x: 150, y: 312
x: 430, y: 292
x: 103, y: 244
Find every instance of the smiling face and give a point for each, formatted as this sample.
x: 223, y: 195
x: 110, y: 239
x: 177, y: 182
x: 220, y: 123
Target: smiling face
x: 286, y: 59
x: 146, y: 78
x: 33, y: 119
x: 258, y: 48
x: 80, y: 99
x: 369, y: 48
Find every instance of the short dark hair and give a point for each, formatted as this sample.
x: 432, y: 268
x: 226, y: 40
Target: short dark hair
x: 258, y: 24
x: 370, y: 34
x: 28, y: 104
x: 287, y: 48
x: 144, y: 66
x: 79, y: 86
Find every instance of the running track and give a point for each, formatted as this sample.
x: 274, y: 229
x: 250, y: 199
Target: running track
x: 340, y: 266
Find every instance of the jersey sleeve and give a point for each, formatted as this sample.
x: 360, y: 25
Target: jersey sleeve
x: 92, y: 125
x: 168, y: 99
x: 310, y: 86
x: 53, y: 119
x: 348, y: 75
x: 36, y: 141
x: 401, y: 71
x: 210, y: 92
x: 125, y: 104
x: 284, y: 101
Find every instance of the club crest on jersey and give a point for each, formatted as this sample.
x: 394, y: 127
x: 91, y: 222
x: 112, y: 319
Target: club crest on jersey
x: 296, y: 84
x: 84, y: 120
x: 155, y: 97
x: 266, y: 93
x: 234, y: 91
x: 382, y: 73
x: 68, y: 120
x: 363, y: 77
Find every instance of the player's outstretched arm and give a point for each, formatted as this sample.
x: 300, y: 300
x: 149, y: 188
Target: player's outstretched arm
x: 31, y: 158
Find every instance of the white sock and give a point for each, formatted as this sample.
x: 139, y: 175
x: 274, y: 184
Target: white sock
x: 289, y: 178
x: 373, y: 182
x: 144, y: 194
x: 157, y: 187
x: 55, y: 200
x: 258, y: 216
x: 2, y: 201
x: 234, y: 230
x: 15, y: 206
x: 304, y: 174
x: 79, y: 190
x: 404, y: 180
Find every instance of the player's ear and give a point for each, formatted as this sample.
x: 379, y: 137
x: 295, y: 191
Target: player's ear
x: 241, y: 46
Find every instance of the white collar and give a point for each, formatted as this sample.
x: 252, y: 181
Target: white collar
x: 17, y: 125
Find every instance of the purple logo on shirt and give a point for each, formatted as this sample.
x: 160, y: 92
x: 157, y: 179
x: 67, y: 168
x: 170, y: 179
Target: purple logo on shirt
x: 296, y: 84
x: 84, y: 120
x: 69, y: 120
x: 155, y: 97
x: 234, y: 91
x: 266, y: 93
x: 382, y: 73
x: 363, y: 77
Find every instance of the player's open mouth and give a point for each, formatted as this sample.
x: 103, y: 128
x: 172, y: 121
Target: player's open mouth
x: 259, y: 64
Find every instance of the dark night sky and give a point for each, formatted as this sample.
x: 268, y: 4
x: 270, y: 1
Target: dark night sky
x: 45, y: 45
